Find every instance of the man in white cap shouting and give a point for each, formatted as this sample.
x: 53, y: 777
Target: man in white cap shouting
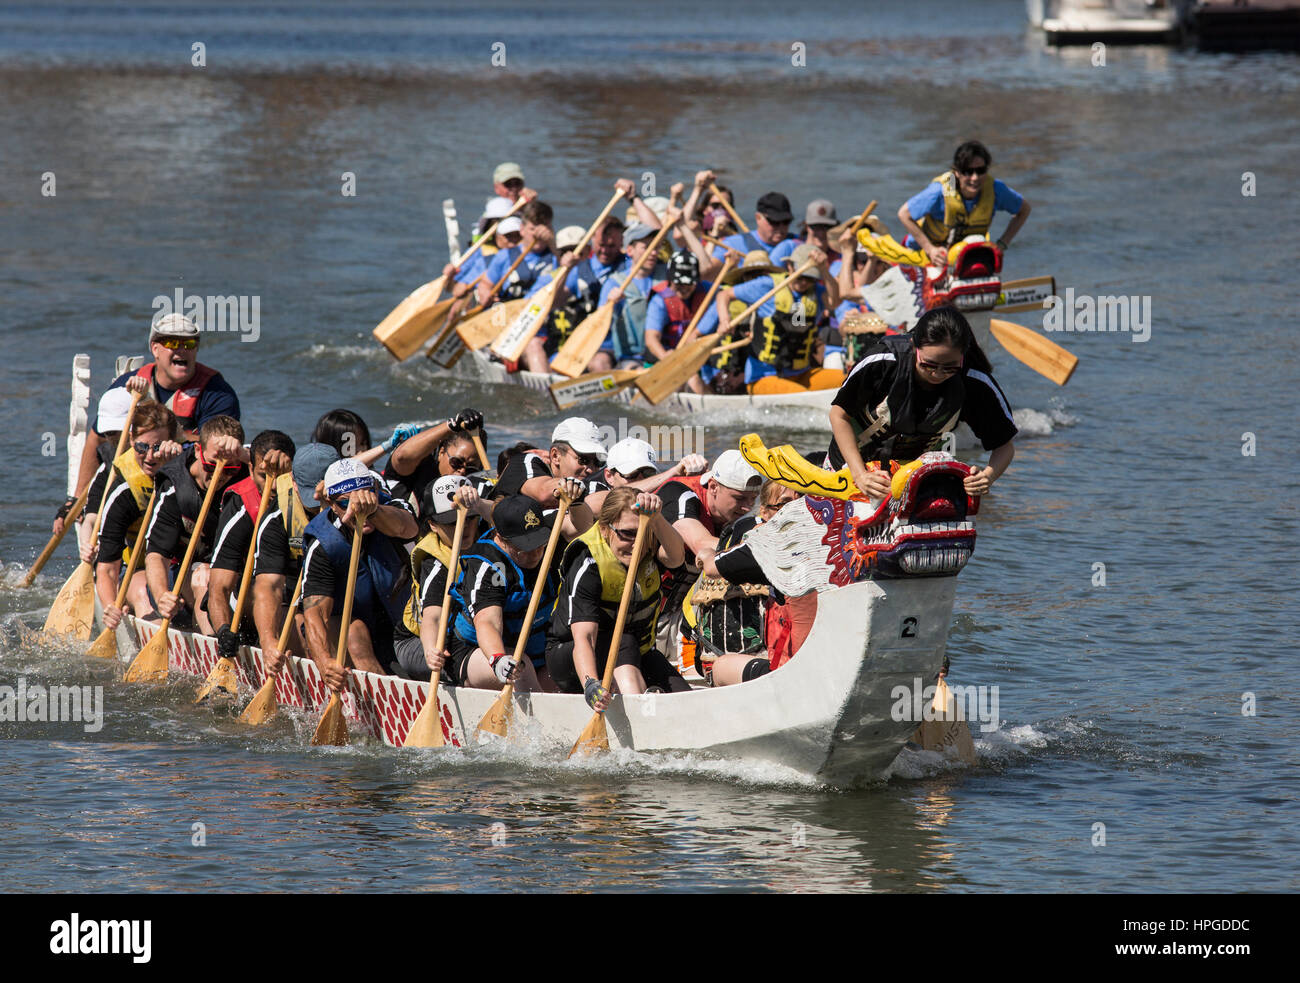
x: 635, y: 462
x: 176, y: 378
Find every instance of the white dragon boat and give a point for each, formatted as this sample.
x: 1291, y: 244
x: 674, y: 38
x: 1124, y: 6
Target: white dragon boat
x: 495, y: 372
x: 884, y: 573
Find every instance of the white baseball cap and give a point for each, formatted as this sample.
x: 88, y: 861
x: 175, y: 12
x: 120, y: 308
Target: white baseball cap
x: 732, y: 471
x: 569, y: 236
x: 172, y: 326
x: 497, y: 207
x: 511, y: 224
x: 506, y: 172
x: 347, y: 475
x: 629, y: 456
x: 580, y: 434
x: 113, y: 408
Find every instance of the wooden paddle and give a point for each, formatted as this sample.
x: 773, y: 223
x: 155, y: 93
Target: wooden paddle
x: 426, y: 730
x: 451, y: 325
x: 223, y: 674
x: 512, y: 342
x: 68, y: 521
x: 861, y: 219
x: 593, y: 385
x: 658, y: 388
x: 666, y: 376
x: 262, y: 707
x: 333, y: 729
x: 946, y: 731
x: 150, y: 664
x: 482, y: 451
x: 587, y: 337
x: 593, y: 737
x: 726, y: 203
x: 480, y: 330
x: 410, y: 324
x: 1025, y: 295
x: 73, y: 612
x: 497, y: 719
x: 105, y: 646
x: 1045, y: 357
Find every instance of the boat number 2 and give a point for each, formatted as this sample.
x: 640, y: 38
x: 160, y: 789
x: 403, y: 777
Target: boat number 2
x: 909, y: 628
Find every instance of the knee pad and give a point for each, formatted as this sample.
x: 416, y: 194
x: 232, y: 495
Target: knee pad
x: 755, y: 668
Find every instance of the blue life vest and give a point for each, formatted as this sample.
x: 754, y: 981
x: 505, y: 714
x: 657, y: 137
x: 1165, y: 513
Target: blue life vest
x: 518, y: 594
x: 381, y: 573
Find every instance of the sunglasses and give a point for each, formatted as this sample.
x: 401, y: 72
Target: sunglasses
x: 936, y: 367
x: 459, y: 463
x: 586, y: 460
x: 970, y: 171
x: 717, y: 206
x: 178, y: 344
x: 626, y: 535
x: 211, y: 466
x: 144, y: 449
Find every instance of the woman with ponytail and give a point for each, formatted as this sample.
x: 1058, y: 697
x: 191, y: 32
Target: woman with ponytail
x: 908, y: 391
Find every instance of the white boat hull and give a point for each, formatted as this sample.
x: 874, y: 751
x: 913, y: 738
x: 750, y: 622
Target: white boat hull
x: 495, y: 372
x: 826, y: 714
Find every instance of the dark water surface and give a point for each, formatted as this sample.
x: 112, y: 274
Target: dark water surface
x: 1120, y: 705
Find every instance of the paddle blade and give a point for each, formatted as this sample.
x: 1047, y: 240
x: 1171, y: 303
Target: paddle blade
x: 595, y: 385
x: 73, y: 612
x: 332, y: 729
x: 584, y: 342
x: 223, y: 677
x: 512, y: 342
x: 1045, y: 357
x: 412, y: 322
x: 946, y: 729
x: 484, y: 328
x: 660, y: 381
x: 104, y: 646
x: 261, y: 707
x: 497, y: 719
x: 426, y: 731
x: 593, y: 737
x: 150, y: 665
x: 1025, y: 295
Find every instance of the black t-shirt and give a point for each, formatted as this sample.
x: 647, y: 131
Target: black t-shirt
x: 522, y: 467
x: 104, y: 466
x: 167, y: 533
x: 120, y: 514
x: 234, y: 533
x: 984, y: 407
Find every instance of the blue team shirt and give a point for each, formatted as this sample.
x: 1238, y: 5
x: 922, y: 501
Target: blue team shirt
x: 526, y: 273
x: 740, y: 242
x: 473, y: 269
x: 930, y: 201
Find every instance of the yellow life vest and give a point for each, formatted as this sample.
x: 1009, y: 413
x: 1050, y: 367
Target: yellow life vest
x: 785, y: 338
x: 957, y: 223
x: 429, y: 546
x: 613, y: 575
x: 141, y: 484
x: 292, y: 513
